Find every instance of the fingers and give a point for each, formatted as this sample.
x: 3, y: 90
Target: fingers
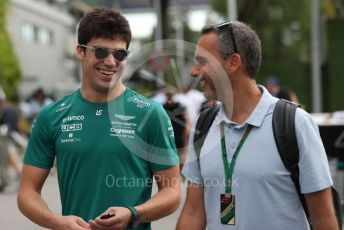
x: 113, y: 218
x: 83, y: 224
x: 105, y: 221
x: 97, y: 225
x: 111, y: 223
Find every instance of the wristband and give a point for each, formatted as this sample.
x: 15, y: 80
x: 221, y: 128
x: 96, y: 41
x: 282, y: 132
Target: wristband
x: 135, y: 217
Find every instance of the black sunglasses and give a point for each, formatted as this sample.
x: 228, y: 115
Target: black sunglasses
x: 101, y: 52
x: 224, y: 26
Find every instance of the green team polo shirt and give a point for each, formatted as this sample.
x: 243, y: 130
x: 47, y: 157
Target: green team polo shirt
x: 106, y: 152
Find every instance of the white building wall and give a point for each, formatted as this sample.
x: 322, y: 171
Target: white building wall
x: 43, y: 65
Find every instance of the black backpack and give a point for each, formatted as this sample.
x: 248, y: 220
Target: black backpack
x: 283, y: 121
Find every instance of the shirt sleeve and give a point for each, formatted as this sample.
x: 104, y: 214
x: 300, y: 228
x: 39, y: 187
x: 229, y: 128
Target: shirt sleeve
x: 191, y: 170
x: 40, y: 150
x: 313, y: 164
x: 160, y: 140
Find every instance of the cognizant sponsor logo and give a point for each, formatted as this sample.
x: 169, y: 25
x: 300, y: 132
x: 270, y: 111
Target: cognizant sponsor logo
x: 122, y: 131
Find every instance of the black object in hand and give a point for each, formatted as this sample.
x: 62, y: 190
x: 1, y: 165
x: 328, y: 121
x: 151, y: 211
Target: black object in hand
x: 107, y: 216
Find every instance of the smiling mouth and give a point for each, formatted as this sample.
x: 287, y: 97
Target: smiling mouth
x: 107, y: 72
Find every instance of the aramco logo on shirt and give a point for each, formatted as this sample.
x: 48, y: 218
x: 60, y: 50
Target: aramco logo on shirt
x: 73, y: 118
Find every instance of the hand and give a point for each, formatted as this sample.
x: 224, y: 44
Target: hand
x: 71, y: 223
x: 119, y: 221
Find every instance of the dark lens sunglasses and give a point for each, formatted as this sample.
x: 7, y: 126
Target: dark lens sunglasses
x: 101, y: 52
x: 228, y: 25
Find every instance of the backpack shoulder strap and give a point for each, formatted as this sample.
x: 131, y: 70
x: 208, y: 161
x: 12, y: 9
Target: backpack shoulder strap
x: 203, y: 124
x: 283, y: 125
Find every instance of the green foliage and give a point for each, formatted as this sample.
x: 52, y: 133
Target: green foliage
x: 219, y: 6
x: 284, y: 29
x: 334, y: 81
x: 285, y: 33
x: 9, y: 66
x: 98, y: 3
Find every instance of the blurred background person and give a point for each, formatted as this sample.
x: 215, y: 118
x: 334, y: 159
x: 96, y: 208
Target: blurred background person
x: 9, y: 125
x: 192, y: 99
x: 160, y: 96
x: 287, y: 94
x: 181, y: 125
x: 35, y: 103
x: 272, y: 85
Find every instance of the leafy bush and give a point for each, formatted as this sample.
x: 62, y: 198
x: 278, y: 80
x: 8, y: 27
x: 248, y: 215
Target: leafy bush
x: 10, y: 72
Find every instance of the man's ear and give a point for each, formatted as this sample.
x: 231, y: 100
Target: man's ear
x: 80, y: 52
x: 233, y: 63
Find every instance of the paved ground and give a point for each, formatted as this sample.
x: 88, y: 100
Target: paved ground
x: 12, y: 219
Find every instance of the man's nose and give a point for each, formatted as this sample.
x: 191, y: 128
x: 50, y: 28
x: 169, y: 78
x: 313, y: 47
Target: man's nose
x: 110, y: 60
x: 194, y: 71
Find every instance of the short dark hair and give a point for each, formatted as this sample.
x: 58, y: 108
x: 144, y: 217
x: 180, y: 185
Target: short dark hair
x: 104, y: 23
x: 247, y: 43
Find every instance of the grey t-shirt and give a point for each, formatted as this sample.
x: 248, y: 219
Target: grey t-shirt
x: 265, y: 195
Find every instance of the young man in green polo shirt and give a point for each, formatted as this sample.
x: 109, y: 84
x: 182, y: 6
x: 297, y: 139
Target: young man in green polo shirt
x: 108, y: 141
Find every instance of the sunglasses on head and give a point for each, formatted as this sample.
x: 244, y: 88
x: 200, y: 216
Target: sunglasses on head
x: 101, y: 52
x: 228, y: 25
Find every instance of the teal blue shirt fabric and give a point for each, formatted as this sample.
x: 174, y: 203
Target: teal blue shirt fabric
x: 106, y: 152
